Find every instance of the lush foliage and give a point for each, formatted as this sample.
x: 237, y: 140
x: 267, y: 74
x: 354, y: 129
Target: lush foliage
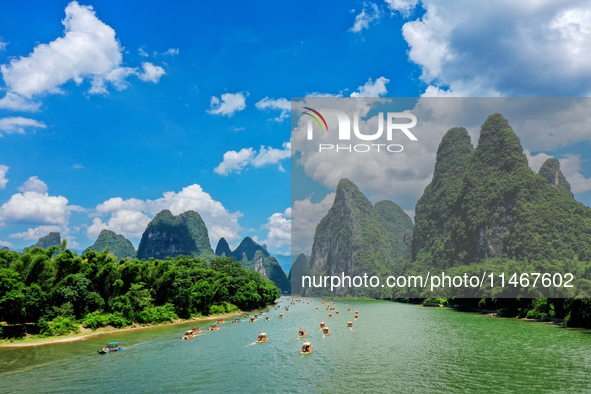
x: 58, y: 290
x: 356, y: 237
x: 120, y: 246
x: 487, y: 203
x: 168, y: 236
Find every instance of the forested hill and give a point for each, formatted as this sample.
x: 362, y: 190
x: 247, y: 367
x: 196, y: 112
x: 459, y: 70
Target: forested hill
x: 60, y: 291
x: 357, y: 237
x: 487, y: 203
x: 120, y: 246
x: 256, y: 258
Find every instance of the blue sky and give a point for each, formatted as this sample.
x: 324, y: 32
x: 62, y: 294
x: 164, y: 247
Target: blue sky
x: 130, y: 108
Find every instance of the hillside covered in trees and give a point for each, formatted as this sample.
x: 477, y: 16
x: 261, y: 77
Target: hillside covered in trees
x: 58, y: 291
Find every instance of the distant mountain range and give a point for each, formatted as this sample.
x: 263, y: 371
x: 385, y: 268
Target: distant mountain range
x: 256, y: 258
x: 168, y: 235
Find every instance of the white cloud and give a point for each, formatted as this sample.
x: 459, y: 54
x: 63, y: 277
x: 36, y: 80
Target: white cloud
x: 405, y: 7
x: 3, y: 179
x: 237, y: 161
x: 234, y: 161
x: 142, y: 52
x: 17, y: 124
x: 72, y: 244
x: 171, y: 52
x: 152, y: 73
x: 279, y: 226
x: 77, y: 166
x: 371, y: 12
x: 5, y: 244
x: 87, y: 50
x: 117, y: 203
x: 35, y: 208
x: 305, y: 216
x: 15, y: 102
x: 228, y: 105
x: 319, y: 94
x: 33, y: 184
x: 3, y: 45
x: 130, y: 217
x: 372, y: 89
x: 127, y: 222
x: 282, y: 104
x: 447, y: 43
x: 37, y: 232
x: 271, y: 155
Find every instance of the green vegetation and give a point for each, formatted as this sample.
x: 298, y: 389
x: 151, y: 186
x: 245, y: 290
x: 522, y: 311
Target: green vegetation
x: 487, y: 203
x: 168, y: 236
x: 356, y: 237
x: 51, y: 239
x: 120, y: 246
x: 58, y: 291
x: 487, y: 211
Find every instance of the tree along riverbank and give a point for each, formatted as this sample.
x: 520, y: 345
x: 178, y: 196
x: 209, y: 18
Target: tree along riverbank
x: 53, y: 292
x: 36, y: 340
x: 569, y: 312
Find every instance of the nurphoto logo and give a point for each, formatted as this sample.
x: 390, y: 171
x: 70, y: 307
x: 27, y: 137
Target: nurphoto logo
x: 344, y: 130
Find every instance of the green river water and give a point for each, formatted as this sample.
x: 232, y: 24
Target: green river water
x: 392, y: 348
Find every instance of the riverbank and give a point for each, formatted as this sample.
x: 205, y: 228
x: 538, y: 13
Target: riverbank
x: 492, y: 313
x: 33, y: 341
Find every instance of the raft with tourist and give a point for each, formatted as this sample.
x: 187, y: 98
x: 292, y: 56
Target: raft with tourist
x: 110, y: 348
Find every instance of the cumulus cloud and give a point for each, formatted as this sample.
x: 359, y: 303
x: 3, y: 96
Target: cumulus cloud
x: 405, y: 7
x: 15, y: 102
x: 171, y: 52
x: 35, y: 208
x: 18, y: 124
x: 272, y: 156
x: 282, y: 104
x: 151, y: 73
x: 34, y: 184
x: 5, y: 244
x: 236, y: 161
x: 87, y: 50
x: 305, y: 216
x: 3, y: 179
x: 37, y: 232
x: 447, y: 43
x: 228, y: 104
x: 123, y: 221
x: 279, y: 226
x: 130, y: 217
x: 372, y: 89
x: 369, y: 14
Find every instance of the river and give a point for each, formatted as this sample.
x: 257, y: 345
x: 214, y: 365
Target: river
x: 392, y: 348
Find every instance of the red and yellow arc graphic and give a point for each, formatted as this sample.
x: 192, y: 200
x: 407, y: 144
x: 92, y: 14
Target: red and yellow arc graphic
x: 315, y: 118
